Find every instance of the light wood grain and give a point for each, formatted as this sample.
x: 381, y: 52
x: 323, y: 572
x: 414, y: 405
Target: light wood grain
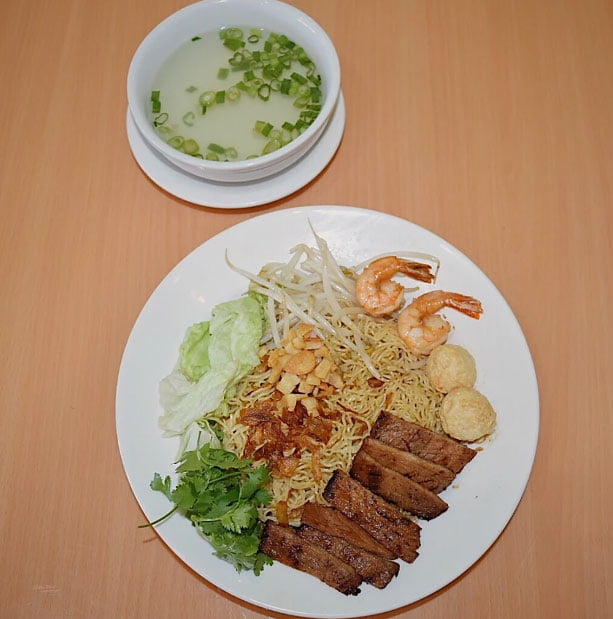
x: 488, y: 122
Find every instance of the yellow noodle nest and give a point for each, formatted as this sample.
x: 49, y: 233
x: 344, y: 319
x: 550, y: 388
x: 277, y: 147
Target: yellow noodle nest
x: 404, y: 390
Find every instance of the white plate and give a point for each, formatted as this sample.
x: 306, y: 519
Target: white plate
x: 238, y: 195
x: 489, y: 488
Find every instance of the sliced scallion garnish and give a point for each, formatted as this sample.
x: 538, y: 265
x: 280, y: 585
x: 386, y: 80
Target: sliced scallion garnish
x: 271, y: 147
x: 207, y: 98
x: 216, y: 148
x: 190, y: 147
x: 264, y: 92
x: 160, y: 119
x: 176, y: 141
x: 233, y: 94
x: 189, y: 118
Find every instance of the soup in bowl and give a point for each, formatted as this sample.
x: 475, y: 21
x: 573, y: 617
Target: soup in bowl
x: 234, y: 90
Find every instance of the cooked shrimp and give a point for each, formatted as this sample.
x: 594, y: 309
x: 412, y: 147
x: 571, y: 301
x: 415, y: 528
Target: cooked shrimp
x: 378, y: 293
x: 422, y: 329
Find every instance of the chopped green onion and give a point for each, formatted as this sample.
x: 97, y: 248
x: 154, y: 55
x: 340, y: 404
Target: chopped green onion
x: 301, y: 102
x: 216, y: 148
x: 287, y: 126
x: 286, y: 61
x: 156, y: 107
x: 212, y: 157
x: 220, y: 96
x: 196, y: 38
x: 275, y: 134
x: 271, y: 146
x: 297, y: 77
x: 263, y: 127
x: 223, y: 73
x: 160, y: 120
x: 249, y: 76
x: 207, y: 98
x: 233, y: 33
x: 155, y: 95
x: 233, y: 94
x: 242, y: 86
x: 315, y: 94
x: 203, y: 109
x: 231, y: 153
x: 237, y: 59
x: 293, y: 89
x: 176, y: 141
x: 285, y: 86
x: 234, y: 44
x: 189, y: 118
x: 286, y: 137
x: 253, y: 38
x: 190, y: 147
x: 264, y: 92
x: 303, y: 59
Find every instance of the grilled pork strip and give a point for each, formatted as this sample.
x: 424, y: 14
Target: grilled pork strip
x: 333, y: 522
x: 373, y: 569
x: 378, y: 517
x: 432, y: 476
x: 422, y: 442
x: 396, y: 488
x: 285, y: 545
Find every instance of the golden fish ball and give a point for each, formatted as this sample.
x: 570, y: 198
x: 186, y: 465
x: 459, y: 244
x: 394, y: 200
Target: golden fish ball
x: 450, y: 366
x: 467, y: 415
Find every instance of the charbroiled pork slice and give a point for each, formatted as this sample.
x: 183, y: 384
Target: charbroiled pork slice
x: 330, y: 520
x: 422, y: 442
x: 373, y: 569
x: 285, y: 545
x: 378, y: 517
x: 432, y: 476
x: 396, y: 488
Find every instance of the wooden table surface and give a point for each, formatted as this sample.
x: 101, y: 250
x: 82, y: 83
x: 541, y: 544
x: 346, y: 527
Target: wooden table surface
x: 489, y: 122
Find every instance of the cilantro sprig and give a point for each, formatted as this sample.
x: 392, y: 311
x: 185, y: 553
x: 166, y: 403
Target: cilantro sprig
x: 220, y: 494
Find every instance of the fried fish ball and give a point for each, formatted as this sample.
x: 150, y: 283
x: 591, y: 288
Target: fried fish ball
x: 467, y: 415
x: 450, y: 366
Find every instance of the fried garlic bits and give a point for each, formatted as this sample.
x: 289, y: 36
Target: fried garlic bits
x: 467, y: 415
x: 303, y: 365
x: 450, y: 366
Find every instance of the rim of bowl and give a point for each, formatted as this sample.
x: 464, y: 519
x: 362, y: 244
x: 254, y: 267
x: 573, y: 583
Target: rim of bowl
x: 332, y: 92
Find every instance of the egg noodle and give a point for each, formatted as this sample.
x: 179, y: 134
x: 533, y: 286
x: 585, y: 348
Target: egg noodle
x: 378, y: 372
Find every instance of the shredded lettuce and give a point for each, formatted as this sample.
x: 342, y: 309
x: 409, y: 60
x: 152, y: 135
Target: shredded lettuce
x: 213, y: 357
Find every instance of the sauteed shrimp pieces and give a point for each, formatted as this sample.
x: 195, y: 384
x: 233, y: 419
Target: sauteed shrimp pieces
x: 378, y: 293
x: 422, y: 329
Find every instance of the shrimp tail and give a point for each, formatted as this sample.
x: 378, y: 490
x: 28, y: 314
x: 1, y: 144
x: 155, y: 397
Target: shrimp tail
x: 417, y: 270
x: 467, y: 305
